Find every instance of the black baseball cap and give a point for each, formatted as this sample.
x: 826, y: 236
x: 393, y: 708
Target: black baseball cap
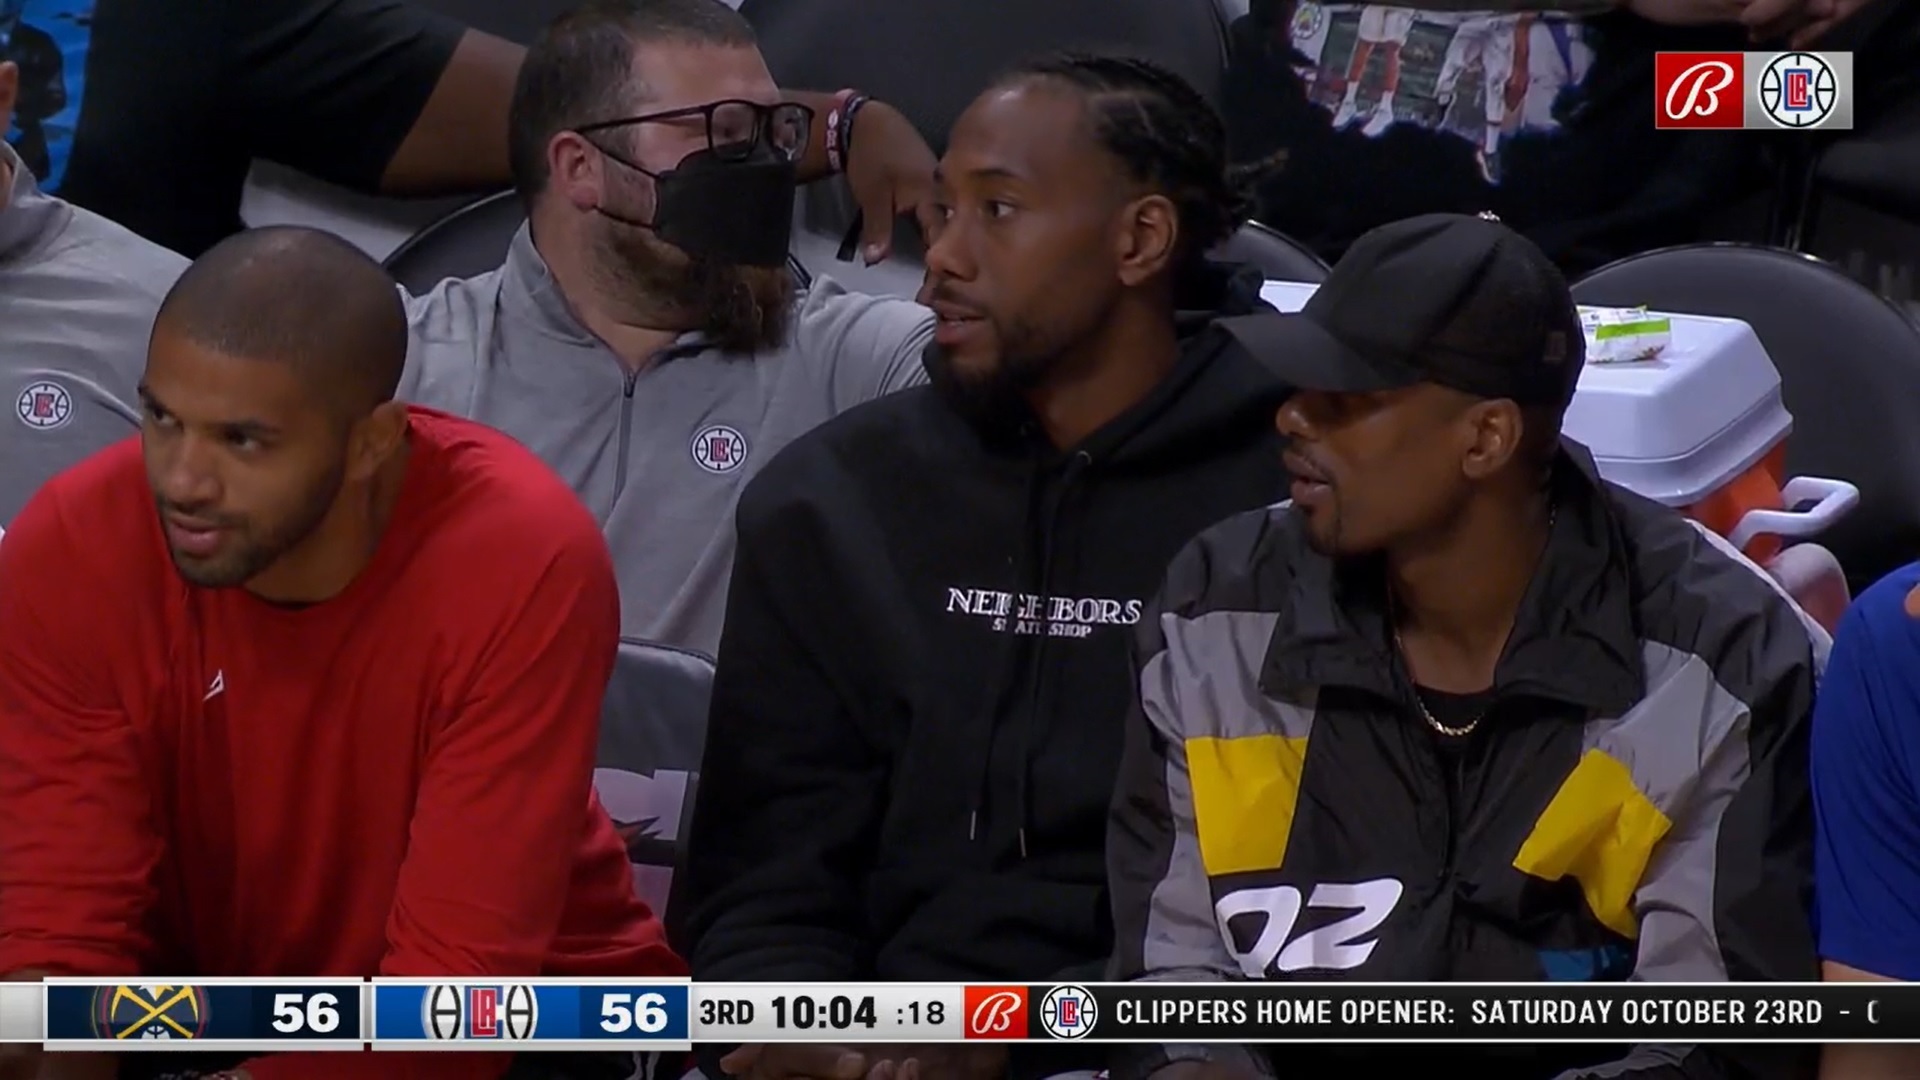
x: 1452, y: 299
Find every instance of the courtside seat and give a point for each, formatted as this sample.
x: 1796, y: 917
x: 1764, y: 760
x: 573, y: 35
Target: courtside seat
x: 1279, y: 256
x: 472, y: 240
x: 653, y: 729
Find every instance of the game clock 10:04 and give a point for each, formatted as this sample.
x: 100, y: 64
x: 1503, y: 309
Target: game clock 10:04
x: 797, y: 1012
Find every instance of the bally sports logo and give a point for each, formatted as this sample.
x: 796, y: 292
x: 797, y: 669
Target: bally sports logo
x: 480, y: 1012
x: 996, y: 1012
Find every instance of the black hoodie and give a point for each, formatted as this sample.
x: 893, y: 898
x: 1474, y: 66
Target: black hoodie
x: 924, y: 675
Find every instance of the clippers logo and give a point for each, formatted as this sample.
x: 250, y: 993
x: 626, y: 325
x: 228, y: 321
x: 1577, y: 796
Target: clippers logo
x: 1798, y: 90
x: 996, y: 1012
x: 1068, y: 1012
x: 44, y: 405
x: 495, y: 1012
x: 483, y: 1012
x: 1734, y: 90
x: 719, y: 449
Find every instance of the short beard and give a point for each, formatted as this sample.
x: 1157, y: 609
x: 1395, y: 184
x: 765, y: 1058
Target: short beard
x: 995, y: 399
x: 257, y: 552
x: 741, y: 309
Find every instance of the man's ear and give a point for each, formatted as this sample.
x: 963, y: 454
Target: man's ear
x: 574, y: 169
x: 1149, y: 231
x: 1497, y: 427
x: 9, y: 94
x: 376, y: 438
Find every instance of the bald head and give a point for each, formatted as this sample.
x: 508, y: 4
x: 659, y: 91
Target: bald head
x: 300, y: 297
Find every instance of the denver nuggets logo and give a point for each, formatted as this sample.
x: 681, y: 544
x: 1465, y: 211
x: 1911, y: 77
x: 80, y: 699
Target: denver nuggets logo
x: 149, y: 1012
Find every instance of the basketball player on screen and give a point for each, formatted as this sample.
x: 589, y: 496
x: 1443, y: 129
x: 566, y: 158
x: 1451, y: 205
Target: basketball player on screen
x: 305, y: 681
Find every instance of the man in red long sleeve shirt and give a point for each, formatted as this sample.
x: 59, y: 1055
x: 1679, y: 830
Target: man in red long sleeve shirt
x: 306, y: 681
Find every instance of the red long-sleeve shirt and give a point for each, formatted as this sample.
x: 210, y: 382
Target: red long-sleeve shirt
x: 396, y: 781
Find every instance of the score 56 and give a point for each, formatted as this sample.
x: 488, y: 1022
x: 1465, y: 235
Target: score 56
x: 294, y: 1013
x: 623, y: 1012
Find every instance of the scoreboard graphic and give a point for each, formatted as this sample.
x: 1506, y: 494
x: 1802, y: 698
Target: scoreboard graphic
x: 256, y: 1016
x: 430, y: 1014
x: 212, y: 1014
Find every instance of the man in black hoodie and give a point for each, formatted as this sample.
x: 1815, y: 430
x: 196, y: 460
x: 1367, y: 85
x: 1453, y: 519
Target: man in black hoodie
x: 924, y: 672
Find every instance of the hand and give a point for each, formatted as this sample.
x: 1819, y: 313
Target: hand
x: 938, y: 1061
x: 1688, y: 12
x: 1770, y: 20
x: 890, y: 173
x: 1836, y: 12
x: 796, y: 1061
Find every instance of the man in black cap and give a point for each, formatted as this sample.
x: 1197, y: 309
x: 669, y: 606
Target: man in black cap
x: 1460, y: 710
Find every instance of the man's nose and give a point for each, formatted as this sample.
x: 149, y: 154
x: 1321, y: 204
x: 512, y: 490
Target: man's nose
x: 188, y: 476
x: 1298, y: 416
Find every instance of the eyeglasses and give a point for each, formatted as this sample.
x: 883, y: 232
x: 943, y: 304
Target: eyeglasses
x: 734, y: 128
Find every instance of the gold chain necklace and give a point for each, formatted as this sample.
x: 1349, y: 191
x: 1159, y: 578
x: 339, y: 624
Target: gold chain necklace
x: 1425, y: 713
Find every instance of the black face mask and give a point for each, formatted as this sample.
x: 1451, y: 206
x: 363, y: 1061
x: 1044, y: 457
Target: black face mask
x: 734, y: 211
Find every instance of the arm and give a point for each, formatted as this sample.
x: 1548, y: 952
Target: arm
x: 1867, y: 849
x: 790, y: 794
x: 69, y: 767
x: 502, y: 803
x: 1726, y: 896
x: 870, y: 346
x: 889, y: 166
x: 1164, y: 925
x: 373, y: 95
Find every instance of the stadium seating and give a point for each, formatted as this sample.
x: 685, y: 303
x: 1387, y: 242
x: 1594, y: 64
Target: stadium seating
x: 1279, y: 257
x: 931, y: 58
x: 471, y: 240
x: 1849, y: 366
x: 653, y: 728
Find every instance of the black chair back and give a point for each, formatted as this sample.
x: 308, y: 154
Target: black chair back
x: 1849, y: 365
x: 653, y: 729
x: 930, y: 58
x: 472, y: 240
x: 1279, y: 257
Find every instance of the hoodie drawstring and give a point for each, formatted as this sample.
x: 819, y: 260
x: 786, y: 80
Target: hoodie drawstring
x: 1028, y: 719
x: 1008, y: 660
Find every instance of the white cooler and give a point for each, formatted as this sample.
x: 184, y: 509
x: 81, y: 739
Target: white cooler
x: 1700, y: 428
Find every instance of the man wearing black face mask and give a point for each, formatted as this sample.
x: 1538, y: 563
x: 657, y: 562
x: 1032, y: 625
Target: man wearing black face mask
x: 646, y: 337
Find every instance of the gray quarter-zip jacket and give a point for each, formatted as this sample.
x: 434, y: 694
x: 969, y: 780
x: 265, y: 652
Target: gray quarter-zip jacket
x: 78, y: 294
x: 659, y: 455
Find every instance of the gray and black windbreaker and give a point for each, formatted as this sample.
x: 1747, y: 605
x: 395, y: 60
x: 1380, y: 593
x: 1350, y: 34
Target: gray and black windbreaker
x: 1634, y: 803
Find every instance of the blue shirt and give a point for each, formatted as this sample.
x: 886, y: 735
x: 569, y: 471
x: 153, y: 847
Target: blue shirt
x: 1866, y: 786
